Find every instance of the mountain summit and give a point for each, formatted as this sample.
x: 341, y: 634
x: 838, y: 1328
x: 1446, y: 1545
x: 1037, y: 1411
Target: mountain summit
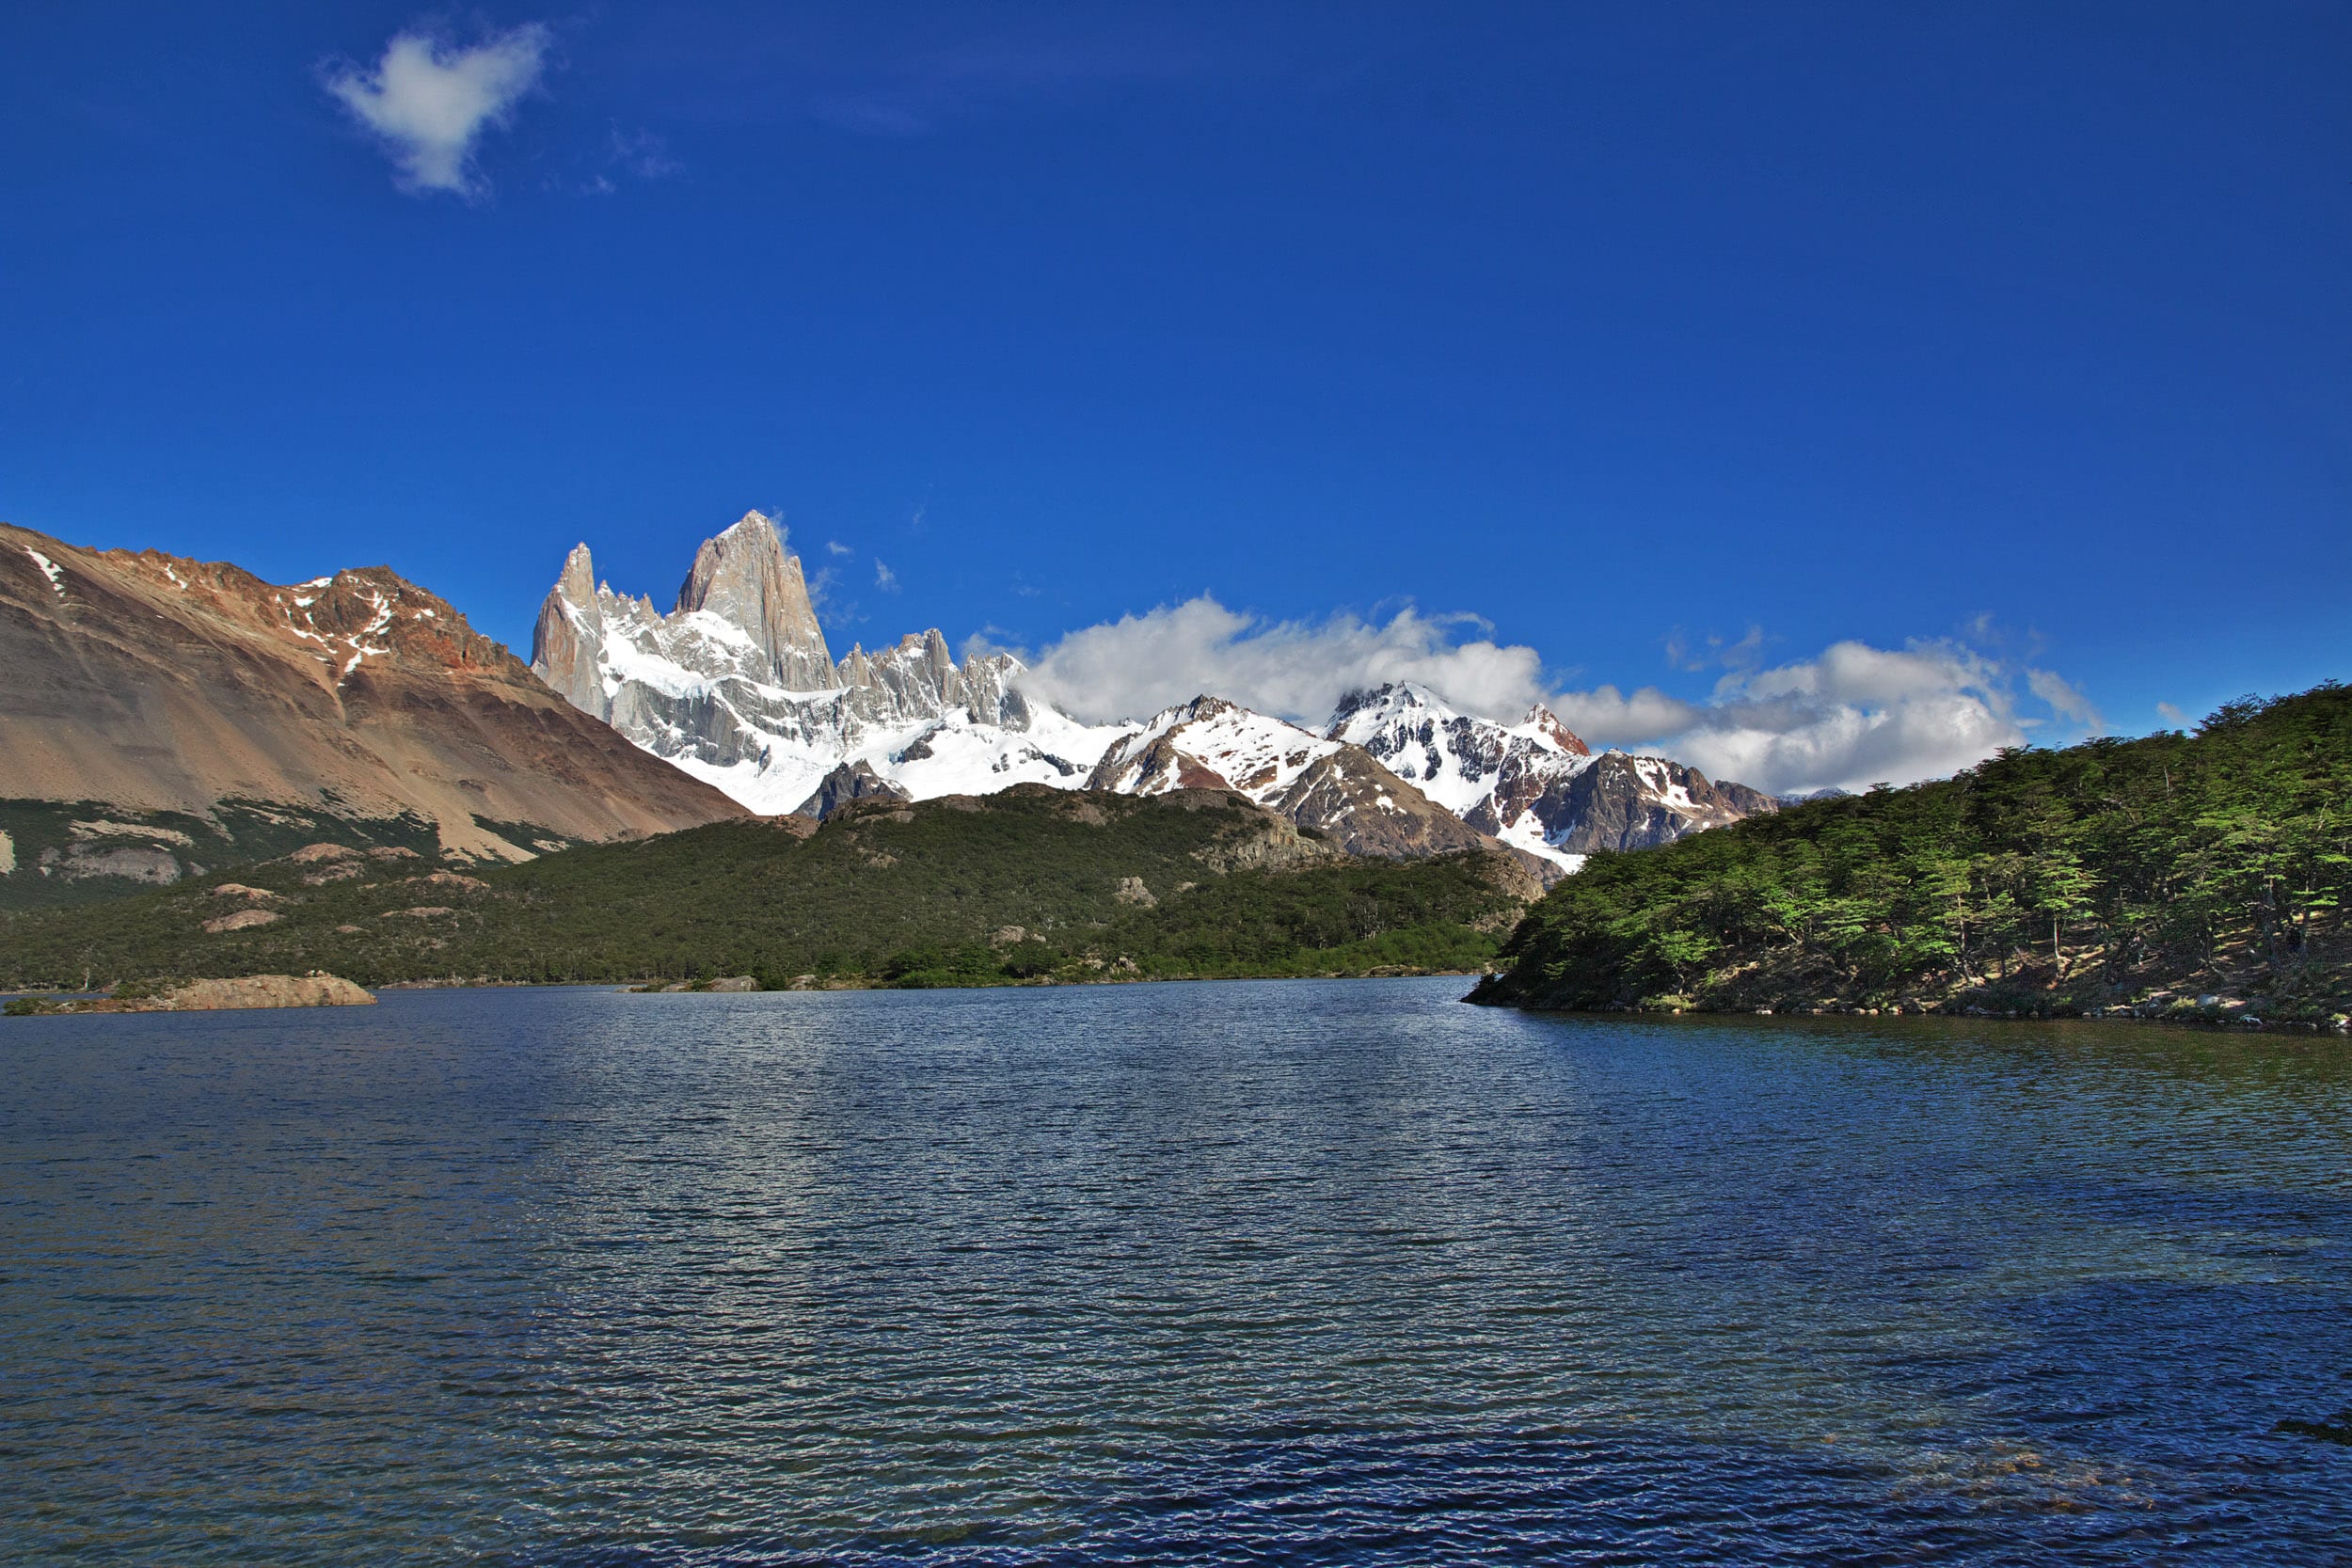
x: 736, y: 686
x: 1536, y: 785
x: 745, y: 579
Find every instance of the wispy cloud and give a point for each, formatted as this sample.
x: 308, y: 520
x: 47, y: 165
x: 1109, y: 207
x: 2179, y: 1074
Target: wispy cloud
x: 428, y: 101
x: 641, y: 154
x: 1713, y: 651
x: 835, y: 546
x: 2065, y: 700
x: 884, y: 579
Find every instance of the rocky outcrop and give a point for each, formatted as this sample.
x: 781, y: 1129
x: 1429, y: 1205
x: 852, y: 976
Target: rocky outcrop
x: 160, y: 684
x: 197, y: 997
x: 851, y: 781
x: 726, y: 983
x: 1367, y: 810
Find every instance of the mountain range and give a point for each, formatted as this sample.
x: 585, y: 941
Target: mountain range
x: 163, y: 716
x: 737, y: 684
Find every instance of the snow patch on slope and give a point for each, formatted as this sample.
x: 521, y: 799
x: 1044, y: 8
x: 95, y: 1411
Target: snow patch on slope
x: 49, y: 568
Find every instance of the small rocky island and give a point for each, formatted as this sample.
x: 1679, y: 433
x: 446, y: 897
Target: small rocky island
x: 316, y: 990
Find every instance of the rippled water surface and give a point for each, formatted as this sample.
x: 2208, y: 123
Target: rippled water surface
x: 1252, y: 1272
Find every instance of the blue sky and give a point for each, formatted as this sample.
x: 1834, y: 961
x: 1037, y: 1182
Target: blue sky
x: 1684, y: 345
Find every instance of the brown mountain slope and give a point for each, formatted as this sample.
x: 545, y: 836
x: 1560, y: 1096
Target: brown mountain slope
x: 155, y: 684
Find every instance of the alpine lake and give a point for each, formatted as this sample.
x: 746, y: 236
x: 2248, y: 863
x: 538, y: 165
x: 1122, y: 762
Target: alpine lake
x: 1251, y: 1273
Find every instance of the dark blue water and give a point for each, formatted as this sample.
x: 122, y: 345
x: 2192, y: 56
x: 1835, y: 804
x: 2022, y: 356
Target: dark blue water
x: 1254, y: 1273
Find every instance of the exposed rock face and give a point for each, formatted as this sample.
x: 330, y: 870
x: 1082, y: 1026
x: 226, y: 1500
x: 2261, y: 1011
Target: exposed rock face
x: 154, y: 683
x: 1535, y: 784
x: 851, y: 781
x: 1370, y: 811
x: 736, y: 686
x: 90, y: 859
x: 569, y: 634
x: 744, y: 580
x: 1627, y: 802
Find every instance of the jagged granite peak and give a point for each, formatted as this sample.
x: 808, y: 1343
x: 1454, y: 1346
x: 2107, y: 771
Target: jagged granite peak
x: 570, y: 628
x: 746, y: 578
x: 578, y: 581
x: 736, y: 686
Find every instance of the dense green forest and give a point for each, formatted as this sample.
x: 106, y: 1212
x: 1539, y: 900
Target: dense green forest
x: 1025, y: 886
x: 2117, y: 875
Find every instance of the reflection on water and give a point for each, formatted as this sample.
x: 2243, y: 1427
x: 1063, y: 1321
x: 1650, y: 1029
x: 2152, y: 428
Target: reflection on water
x: 1257, y: 1272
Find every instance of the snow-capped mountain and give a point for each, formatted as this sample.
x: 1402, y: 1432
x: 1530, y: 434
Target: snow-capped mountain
x: 736, y: 686
x: 1535, y: 784
x: 1331, y: 785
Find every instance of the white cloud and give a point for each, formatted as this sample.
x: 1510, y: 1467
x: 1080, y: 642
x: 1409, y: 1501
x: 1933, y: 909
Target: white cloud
x: 1851, y: 715
x: 429, y: 101
x: 2172, y: 714
x: 1605, y: 711
x: 835, y: 546
x: 884, y: 579
x: 1141, y: 663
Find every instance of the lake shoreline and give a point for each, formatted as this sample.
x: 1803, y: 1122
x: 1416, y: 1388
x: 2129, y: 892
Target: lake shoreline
x: 2199, y: 1019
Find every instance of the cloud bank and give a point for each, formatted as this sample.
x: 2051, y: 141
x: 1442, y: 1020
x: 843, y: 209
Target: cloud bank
x: 428, y: 101
x: 1141, y: 663
x: 1851, y: 715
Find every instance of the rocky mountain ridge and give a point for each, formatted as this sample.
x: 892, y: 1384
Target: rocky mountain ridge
x: 1336, y: 788
x: 1536, y: 785
x: 736, y: 685
x: 154, y: 704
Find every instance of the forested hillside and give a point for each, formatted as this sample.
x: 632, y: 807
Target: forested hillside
x: 2199, y: 874
x: 1031, y: 884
